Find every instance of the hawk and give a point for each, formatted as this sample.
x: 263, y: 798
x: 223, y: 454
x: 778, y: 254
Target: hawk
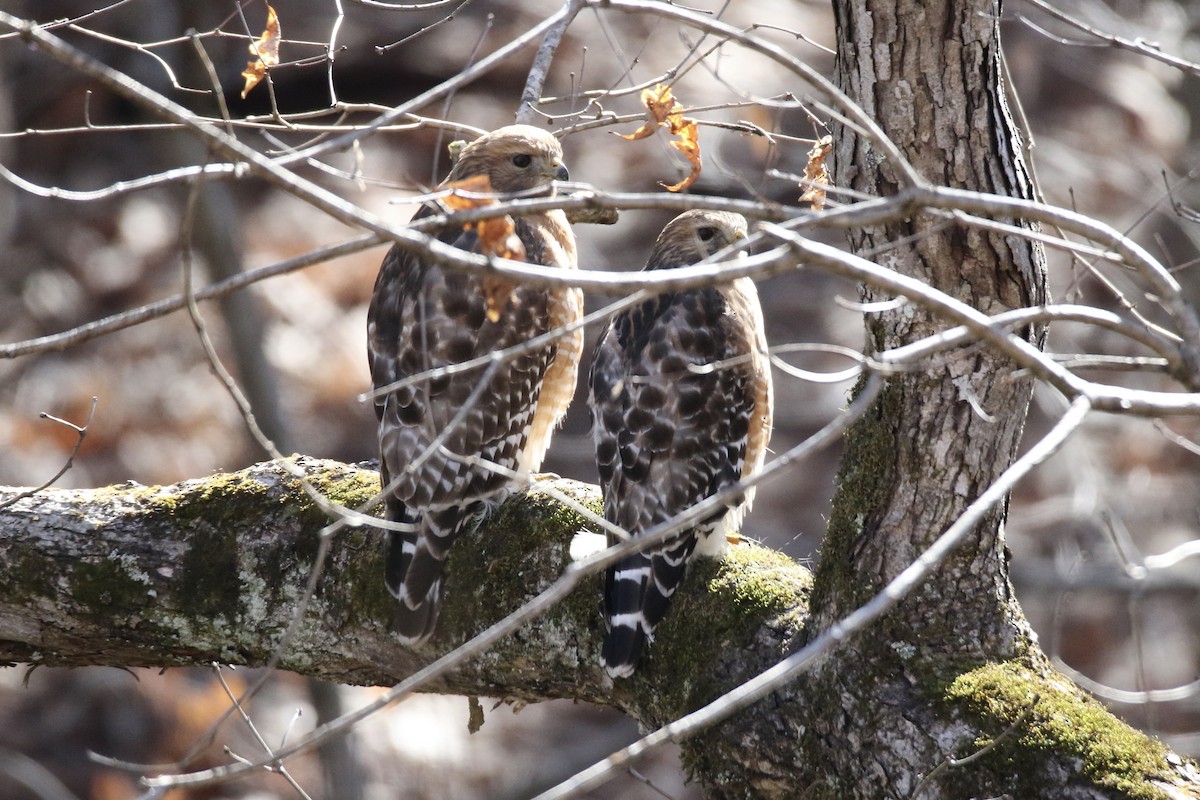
x: 681, y: 401
x: 450, y: 447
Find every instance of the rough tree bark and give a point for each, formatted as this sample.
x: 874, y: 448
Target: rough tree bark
x: 211, y: 570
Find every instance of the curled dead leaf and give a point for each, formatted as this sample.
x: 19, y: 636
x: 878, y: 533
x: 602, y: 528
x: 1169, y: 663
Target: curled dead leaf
x: 497, y: 293
x: 641, y: 133
x: 663, y: 109
x: 473, y: 192
x: 497, y: 237
x: 660, y: 104
x: 816, y: 174
x: 265, y: 50
x: 688, y: 143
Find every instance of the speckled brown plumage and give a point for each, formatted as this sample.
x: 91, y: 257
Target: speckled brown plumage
x: 422, y: 318
x: 680, y: 392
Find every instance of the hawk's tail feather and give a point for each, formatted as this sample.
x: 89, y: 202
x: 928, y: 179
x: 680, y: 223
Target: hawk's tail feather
x: 415, y: 624
x: 400, y: 546
x: 637, y: 594
x: 414, y: 570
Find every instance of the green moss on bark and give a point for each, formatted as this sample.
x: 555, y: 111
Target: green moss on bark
x: 113, y: 584
x: 209, y: 586
x: 717, y: 613
x: 352, y: 488
x: 862, y: 483
x: 532, y: 523
x: 25, y: 576
x: 1044, y: 717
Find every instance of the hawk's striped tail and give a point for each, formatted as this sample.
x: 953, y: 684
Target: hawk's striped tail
x: 414, y: 569
x: 637, y: 594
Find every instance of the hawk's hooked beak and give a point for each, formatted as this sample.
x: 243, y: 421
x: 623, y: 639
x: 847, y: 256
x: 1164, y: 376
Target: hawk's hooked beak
x: 561, y: 173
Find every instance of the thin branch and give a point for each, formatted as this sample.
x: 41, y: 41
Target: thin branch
x: 1166, y: 287
x: 273, y: 170
x: 1189, y: 549
x: 405, y: 6
x: 509, y: 353
x: 161, y: 308
x: 140, y: 48
x: 1162, y: 284
x: 1138, y: 45
x: 81, y: 18
x: 381, y: 49
x: 1142, y: 697
x: 799, y: 250
x: 1175, y: 438
x: 281, y: 122
x: 332, y: 48
x: 262, y: 742
x: 33, y: 775
x: 1102, y: 397
x: 81, y: 434
x: 450, y: 86
x: 178, y: 175
x: 542, y: 60
x: 1021, y: 317
x: 852, y: 110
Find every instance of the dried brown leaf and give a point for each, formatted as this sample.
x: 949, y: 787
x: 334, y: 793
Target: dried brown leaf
x: 497, y: 292
x: 659, y: 105
x: 663, y: 109
x: 688, y: 143
x: 816, y: 174
x: 641, y: 133
x: 265, y: 51
x: 473, y: 192
x: 497, y: 237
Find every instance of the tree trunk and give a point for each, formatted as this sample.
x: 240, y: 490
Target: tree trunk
x: 212, y: 569
x: 890, y: 707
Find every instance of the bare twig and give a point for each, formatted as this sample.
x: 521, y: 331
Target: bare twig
x: 262, y: 742
x: 542, y: 60
x: 854, y: 113
x: 81, y: 431
x: 160, y: 308
x: 1138, y: 45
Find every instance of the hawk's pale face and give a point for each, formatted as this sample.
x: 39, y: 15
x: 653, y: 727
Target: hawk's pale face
x: 517, y: 158
x: 694, y: 236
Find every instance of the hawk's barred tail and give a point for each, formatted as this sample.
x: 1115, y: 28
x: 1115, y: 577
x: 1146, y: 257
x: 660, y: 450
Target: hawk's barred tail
x: 637, y: 594
x: 413, y: 571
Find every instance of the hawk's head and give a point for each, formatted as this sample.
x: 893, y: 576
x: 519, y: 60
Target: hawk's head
x: 515, y: 158
x: 694, y: 236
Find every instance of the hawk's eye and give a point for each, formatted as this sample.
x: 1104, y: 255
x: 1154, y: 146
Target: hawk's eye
x: 706, y: 233
x: 522, y: 160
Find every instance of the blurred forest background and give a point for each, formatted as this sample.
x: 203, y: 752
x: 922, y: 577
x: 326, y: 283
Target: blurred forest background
x: 1110, y: 131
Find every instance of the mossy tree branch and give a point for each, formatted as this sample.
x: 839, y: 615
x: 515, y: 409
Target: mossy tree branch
x: 212, y: 570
